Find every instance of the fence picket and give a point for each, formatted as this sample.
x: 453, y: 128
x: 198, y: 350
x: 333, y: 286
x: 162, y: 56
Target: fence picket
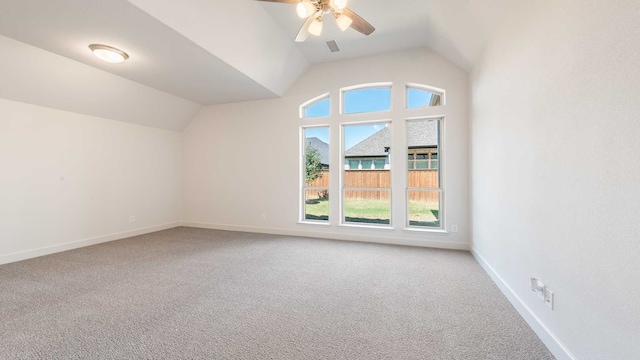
x: 380, y: 179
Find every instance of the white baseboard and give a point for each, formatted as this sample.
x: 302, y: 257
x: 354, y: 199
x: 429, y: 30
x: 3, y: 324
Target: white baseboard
x: 556, y: 347
x: 47, y: 250
x: 391, y: 240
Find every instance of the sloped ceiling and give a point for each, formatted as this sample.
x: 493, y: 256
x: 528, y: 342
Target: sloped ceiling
x: 189, y: 53
x: 456, y: 29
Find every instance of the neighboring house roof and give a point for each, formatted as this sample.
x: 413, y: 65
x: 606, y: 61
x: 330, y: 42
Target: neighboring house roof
x: 322, y: 147
x: 421, y: 134
x: 374, y: 145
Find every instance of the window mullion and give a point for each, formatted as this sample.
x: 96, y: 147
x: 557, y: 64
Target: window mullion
x: 365, y: 180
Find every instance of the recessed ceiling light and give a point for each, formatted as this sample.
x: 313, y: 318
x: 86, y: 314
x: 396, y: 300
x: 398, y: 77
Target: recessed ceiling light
x: 108, y: 53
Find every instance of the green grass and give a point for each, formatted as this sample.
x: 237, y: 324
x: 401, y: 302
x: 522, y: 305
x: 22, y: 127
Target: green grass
x: 375, y: 211
x: 316, y: 209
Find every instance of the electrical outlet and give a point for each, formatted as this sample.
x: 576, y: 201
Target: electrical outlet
x: 132, y: 219
x: 263, y: 217
x: 538, y: 287
x: 548, y: 298
x: 454, y: 228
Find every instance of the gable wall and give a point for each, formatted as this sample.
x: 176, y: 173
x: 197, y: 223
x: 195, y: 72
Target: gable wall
x: 242, y: 160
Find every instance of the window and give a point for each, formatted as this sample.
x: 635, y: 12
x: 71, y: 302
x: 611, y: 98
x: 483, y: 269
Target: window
x: 423, y: 159
x: 422, y: 96
x: 366, y: 195
x: 362, y: 186
x: 316, y: 174
x: 318, y: 107
x: 423, y: 174
x: 366, y: 163
x: 363, y: 100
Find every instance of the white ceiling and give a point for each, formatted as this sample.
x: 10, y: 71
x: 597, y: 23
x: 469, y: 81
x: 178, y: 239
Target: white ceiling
x: 159, y: 57
x: 221, y: 51
x: 457, y: 29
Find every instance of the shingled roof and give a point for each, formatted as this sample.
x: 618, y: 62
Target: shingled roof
x: 421, y: 134
x: 321, y: 146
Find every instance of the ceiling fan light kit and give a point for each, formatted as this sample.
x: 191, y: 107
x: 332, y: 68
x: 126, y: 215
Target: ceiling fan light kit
x: 314, y: 11
x: 316, y: 27
x: 343, y: 21
x: 305, y: 9
x: 339, y: 4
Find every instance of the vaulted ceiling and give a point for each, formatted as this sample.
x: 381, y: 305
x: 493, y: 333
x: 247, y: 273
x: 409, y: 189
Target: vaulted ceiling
x: 188, y: 53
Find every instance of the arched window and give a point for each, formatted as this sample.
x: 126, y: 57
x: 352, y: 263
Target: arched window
x: 421, y: 96
x: 366, y: 98
x: 367, y: 157
x: 316, y: 107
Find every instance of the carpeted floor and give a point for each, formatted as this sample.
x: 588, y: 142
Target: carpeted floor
x: 204, y: 294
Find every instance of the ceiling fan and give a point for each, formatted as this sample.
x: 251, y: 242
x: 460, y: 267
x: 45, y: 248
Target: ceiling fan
x: 315, y: 10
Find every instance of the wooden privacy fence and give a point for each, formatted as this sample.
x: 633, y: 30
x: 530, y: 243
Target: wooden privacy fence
x: 380, y: 179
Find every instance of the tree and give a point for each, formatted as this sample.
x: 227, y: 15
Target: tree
x: 313, y: 163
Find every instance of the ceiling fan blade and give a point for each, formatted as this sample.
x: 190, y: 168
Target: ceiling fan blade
x: 359, y: 24
x: 282, y: 1
x: 303, y: 34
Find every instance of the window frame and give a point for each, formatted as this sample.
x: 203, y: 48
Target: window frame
x: 397, y: 117
x: 343, y: 222
x: 303, y: 181
x: 432, y: 89
x: 368, y: 86
x: 441, y: 175
x: 317, y: 99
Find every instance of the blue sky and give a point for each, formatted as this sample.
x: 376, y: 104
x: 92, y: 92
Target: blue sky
x: 367, y: 100
x: 353, y: 133
x: 321, y: 133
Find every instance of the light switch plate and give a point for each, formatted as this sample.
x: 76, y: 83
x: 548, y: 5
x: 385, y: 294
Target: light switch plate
x: 548, y: 298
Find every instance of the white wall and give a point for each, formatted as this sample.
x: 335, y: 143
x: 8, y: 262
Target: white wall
x: 556, y: 169
x: 69, y: 180
x: 241, y: 160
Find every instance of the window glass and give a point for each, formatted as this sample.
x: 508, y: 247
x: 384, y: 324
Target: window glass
x: 367, y: 206
x: 364, y: 171
x: 420, y: 98
x: 424, y: 208
x: 366, y: 194
x: 318, y: 109
x: 367, y: 100
x: 423, y: 178
x: 316, y: 205
x: 316, y: 174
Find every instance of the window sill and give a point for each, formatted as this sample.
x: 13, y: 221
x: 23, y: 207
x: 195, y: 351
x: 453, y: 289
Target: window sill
x: 317, y: 223
x: 427, y: 231
x: 368, y: 227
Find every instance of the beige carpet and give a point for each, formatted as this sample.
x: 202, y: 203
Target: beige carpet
x: 203, y: 294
